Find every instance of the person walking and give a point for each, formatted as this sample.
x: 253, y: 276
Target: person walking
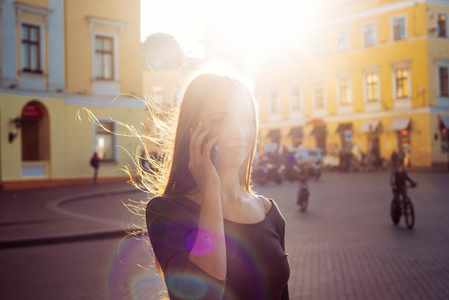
x: 95, y: 163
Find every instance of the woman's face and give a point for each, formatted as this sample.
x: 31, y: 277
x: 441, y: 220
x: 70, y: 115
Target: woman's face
x: 230, y: 116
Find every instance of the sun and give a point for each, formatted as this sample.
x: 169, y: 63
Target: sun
x: 253, y: 28
x: 257, y: 29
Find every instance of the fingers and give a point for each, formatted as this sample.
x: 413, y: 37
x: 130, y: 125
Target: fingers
x: 208, y: 146
x: 197, y: 136
x: 197, y: 139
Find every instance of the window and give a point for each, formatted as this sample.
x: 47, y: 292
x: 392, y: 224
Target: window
x: 344, y: 91
x: 106, y: 141
x: 319, y: 95
x: 31, y: 49
x: 444, y: 81
x: 372, y: 86
x: 369, y: 34
x: 441, y: 24
x: 104, y: 58
x: 343, y: 40
x: 274, y: 101
x: 295, y: 98
x: 399, y: 28
x: 402, y: 83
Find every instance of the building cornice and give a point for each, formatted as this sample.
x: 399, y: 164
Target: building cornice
x: 96, y: 21
x: 380, y: 10
x: 31, y: 10
x: 120, y: 101
x: 356, y: 116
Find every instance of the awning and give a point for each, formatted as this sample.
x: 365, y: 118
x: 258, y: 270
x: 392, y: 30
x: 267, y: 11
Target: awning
x: 344, y: 127
x: 319, y: 130
x: 274, y: 133
x: 369, y: 126
x: 400, y: 124
x: 295, y: 132
x: 445, y: 121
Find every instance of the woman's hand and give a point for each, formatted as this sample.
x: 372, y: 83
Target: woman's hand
x: 200, y: 164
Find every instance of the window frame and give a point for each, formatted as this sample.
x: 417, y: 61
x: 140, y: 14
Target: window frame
x: 102, y: 54
x: 343, y: 40
x: 393, y: 36
x: 405, y: 101
x: 437, y: 24
x: 319, y: 111
x: 442, y: 63
x: 348, y: 86
x: 374, y: 87
x: 114, y: 146
x: 369, y: 25
x: 401, y: 83
x: 296, y: 108
x: 40, y: 48
x: 372, y: 105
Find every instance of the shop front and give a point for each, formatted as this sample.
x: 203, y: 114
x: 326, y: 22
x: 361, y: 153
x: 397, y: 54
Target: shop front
x: 403, y: 138
x: 344, y: 130
x: 319, y: 133
x: 296, y: 135
x: 372, y: 129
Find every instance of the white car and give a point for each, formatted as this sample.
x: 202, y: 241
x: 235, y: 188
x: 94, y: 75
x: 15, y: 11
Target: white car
x: 311, y: 155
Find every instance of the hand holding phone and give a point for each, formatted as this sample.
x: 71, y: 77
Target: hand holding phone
x: 213, y: 151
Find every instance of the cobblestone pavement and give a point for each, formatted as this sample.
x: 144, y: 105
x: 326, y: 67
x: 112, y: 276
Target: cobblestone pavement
x: 343, y: 247
x: 346, y: 247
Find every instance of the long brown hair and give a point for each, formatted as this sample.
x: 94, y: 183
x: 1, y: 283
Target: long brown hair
x: 195, y: 97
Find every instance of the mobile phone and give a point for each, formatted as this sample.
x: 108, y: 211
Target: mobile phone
x: 213, y: 152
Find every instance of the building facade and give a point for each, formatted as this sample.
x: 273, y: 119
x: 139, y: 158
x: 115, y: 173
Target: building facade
x: 57, y: 58
x: 374, y: 76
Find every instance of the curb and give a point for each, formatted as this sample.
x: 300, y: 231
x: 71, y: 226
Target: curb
x: 76, y: 237
x: 49, y: 240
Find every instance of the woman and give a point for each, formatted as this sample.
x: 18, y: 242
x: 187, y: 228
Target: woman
x: 212, y: 237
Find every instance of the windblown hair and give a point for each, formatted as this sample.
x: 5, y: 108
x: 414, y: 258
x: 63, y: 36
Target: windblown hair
x: 171, y: 175
x: 168, y: 172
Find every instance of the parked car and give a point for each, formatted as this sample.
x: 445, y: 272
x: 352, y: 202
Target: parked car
x: 314, y: 157
x: 310, y: 155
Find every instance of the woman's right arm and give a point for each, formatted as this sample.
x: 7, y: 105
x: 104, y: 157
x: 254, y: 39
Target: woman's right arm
x: 172, y: 230
x: 209, y: 249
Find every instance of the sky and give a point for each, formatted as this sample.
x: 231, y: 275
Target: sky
x: 247, y: 24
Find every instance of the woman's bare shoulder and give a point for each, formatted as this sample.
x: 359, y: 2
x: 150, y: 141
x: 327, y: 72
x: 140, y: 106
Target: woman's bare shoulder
x: 267, y: 202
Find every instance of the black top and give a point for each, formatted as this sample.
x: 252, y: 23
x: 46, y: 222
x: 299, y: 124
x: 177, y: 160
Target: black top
x: 257, y: 265
x: 400, y: 178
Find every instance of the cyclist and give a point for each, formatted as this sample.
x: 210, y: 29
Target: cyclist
x: 303, y: 177
x: 398, y: 181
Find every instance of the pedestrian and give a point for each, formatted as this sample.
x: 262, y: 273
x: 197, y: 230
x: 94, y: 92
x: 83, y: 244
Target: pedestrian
x: 212, y: 236
x: 95, y: 163
x: 394, y: 159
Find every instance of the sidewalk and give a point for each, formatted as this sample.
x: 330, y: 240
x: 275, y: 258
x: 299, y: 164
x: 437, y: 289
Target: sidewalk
x: 65, y: 213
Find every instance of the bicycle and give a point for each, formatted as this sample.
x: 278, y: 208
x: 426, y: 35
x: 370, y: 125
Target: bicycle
x: 403, y: 207
x: 303, y: 195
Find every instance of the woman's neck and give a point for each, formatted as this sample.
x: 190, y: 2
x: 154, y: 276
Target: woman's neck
x: 230, y: 185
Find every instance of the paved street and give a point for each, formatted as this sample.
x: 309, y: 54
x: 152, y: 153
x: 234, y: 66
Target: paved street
x: 343, y: 247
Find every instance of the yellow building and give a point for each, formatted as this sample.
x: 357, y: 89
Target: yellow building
x: 374, y: 75
x: 58, y: 56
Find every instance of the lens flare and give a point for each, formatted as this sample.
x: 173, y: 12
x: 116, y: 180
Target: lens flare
x: 199, y: 241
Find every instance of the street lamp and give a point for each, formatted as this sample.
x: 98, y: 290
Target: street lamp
x: 17, y: 123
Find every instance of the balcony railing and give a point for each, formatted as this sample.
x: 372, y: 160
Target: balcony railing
x: 35, y: 169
